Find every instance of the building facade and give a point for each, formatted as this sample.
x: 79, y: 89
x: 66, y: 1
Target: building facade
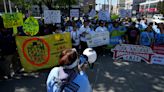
x: 149, y: 7
x: 125, y: 8
x: 136, y: 5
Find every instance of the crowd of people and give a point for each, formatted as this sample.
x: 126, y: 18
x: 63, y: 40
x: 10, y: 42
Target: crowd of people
x: 137, y: 32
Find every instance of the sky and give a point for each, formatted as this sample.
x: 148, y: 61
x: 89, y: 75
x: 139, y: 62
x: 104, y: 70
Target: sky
x: 99, y: 2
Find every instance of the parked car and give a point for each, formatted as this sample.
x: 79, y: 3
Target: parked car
x: 158, y: 16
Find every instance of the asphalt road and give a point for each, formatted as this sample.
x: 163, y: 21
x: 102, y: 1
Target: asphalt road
x: 106, y: 76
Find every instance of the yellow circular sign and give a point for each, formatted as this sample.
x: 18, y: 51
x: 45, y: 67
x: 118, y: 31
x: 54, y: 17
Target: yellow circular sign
x: 31, y: 26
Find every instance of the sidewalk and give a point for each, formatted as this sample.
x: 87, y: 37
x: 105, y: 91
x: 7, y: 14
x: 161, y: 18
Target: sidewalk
x: 107, y: 76
x: 112, y: 76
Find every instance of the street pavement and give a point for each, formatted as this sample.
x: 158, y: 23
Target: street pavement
x: 106, y: 76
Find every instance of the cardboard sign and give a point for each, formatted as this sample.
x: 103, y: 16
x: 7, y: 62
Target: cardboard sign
x: 52, y: 16
x: 104, y: 15
x: 12, y: 20
x: 157, y: 59
x: 92, y: 14
x: 31, y: 26
x: 132, y: 52
x: 125, y: 13
x: 74, y: 12
x: 41, y: 52
x: 97, y: 39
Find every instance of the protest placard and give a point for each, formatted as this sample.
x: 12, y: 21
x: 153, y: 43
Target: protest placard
x: 132, y: 52
x: 41, y: 52
x: 97, y: 39
x: 157, y: 59
x: 74, y: 12
x: 92, y: 13
x: 12, y: 20
x: 125, y: 13
x: 104, y: 15
x: 52, y: 16
x: 31, y: 26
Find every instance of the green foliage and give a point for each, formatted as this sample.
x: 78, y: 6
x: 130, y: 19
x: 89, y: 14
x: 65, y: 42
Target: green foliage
x: 66, y: 2
x: 160, y: 7
x: 23, y: 3
x: 114, y: 17
x: 26, y: 4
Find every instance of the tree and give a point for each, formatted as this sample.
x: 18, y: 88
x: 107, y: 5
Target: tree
x: 52, y: 3
x: 23, y: 4
x: 160, y: 7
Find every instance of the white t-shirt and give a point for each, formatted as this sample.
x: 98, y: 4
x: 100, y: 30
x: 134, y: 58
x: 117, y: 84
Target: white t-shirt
x: 83, y: 31
x: 76, y: 37
x: 101, y: 29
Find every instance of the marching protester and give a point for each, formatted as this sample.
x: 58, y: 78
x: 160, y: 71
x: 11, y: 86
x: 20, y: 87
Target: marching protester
x: 65, y: 77
x: 147, y: 36
x: 116, y: 34
x: 101, y: 27
x: 143, y: 24
x: 155, y: 28
x: 84, y: 30
x: 132, y: 35
x: 75, y: 36
x: 159, y: 37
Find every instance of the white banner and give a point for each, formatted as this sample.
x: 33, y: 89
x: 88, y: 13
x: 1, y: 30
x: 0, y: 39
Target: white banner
x: 97, y: 39
x: 157, y: 59
x: 132, y: 52
x: 74, y: 12
x: 104, y: 15
x: 52, y: 16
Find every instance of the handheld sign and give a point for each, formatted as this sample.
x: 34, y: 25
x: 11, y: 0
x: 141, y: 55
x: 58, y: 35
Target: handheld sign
x: 97, y: 39
x: 52, y: 16
x: 31, y: 26
x: 92, y: 14
x: 74, y: 12
x: 104, y: 15
x: 12, y: 20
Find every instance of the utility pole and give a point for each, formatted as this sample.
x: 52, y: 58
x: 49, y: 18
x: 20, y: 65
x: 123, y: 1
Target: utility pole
x: 10, y: 6
x: 69, y: 9
x: 4, y: 3
x: 110, y: 6
x: 104, y: 5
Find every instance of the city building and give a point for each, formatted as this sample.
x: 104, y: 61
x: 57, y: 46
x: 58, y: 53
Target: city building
x: 135, y: 6
x: 121, y: 4
x: 114, y: 9
x: 149, y: 7
x: 125, y: 8
x: 125, y: 4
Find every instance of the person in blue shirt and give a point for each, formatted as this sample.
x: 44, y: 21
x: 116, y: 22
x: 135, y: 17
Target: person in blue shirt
x: 65, y: 78
x: 159, y: 38
x: 147, y: 36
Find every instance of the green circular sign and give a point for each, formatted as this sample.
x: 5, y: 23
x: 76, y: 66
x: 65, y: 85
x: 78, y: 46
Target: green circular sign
x: 31, y: 26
